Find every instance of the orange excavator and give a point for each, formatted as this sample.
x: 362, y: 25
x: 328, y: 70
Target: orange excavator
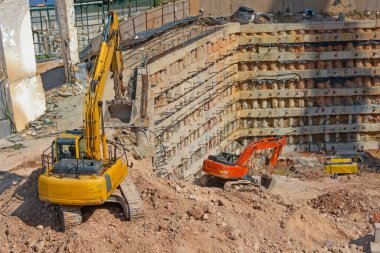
x: 230, y: 169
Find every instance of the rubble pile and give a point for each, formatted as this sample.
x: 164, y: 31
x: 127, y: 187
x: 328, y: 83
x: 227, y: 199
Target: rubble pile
x: 303, y: 160
x: 47, y: 123
x: 126, y: 139
x: 343, y: 202
x: 306, y: 166
x: 371, y: 161
x: 68, y: 90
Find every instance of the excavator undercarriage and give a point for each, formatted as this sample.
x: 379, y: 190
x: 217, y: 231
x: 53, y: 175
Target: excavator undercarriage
x: 126, y: 195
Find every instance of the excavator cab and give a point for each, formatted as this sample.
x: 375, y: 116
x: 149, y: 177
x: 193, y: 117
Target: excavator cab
x: 67, y: 145
x: 225, y: 158
x: 67, y: 156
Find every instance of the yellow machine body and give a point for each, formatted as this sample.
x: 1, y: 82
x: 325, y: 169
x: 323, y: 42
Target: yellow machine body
x: 85, y: 190
x: 341, y: 166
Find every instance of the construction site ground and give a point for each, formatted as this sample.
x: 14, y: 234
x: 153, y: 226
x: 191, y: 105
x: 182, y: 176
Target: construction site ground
x: 307, y: 211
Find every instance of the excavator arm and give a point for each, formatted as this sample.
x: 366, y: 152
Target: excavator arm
x: 109, y: 58
x: 276, y: 143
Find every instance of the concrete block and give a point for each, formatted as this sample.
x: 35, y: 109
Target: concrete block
x: 5, y: 128
x: 375, y: 247
x: 377, y: 232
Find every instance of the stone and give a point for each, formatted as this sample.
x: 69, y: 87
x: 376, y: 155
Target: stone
x: 192, y: 197
x: 196, y: 213
x: 47, y: 121
x: 39, y: 246
x: 78, y: 92
x: 233, y: 234
x: 65, y: 93
x: 178, y: 188
x: 15, y: 138
x: 210, y: 209
x: 40, y: 227
x: 5, y: 144
x: 205, y: 216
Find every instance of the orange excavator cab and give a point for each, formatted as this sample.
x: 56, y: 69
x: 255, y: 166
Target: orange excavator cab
x: 233, y: 169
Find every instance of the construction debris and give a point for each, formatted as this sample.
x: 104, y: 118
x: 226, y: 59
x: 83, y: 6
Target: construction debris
x: 343, y: 202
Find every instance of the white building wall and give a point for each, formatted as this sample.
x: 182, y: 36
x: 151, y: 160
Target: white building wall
x: 28, y: 97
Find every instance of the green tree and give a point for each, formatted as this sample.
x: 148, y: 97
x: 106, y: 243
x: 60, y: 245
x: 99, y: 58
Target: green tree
x: 156, y: 3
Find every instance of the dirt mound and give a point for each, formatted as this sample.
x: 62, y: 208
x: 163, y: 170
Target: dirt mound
x: 312, y: 175
x: 341, y: 203
x: 307, y: 226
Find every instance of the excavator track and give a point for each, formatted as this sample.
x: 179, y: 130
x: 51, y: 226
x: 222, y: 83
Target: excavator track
x: 228, y: 186
x: 133, y: 198
x: 71, y: 216
x: 128, y: 197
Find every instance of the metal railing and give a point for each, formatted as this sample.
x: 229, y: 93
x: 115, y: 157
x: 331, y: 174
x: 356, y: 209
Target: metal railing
x: 89, y: 19
x: 150, y: 19
x: 48, y: 160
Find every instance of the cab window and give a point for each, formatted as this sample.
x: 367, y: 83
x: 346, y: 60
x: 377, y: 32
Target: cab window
x: 66, y: 151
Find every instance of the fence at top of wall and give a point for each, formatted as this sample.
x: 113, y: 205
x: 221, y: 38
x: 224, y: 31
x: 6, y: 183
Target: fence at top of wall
x: 89, y: 20
x: 227, y: 7
x: 138, y: 16
x: 150, y: 19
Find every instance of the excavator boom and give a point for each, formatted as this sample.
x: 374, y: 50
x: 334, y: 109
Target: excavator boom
x: 109, y: 55
x: 266, y: 143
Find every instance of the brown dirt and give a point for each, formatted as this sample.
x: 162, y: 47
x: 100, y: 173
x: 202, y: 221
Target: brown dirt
x: 343, y: 202
x: 311, y: 175
x: 183, y: 217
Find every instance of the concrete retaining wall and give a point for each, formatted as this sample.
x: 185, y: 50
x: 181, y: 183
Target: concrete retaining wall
x: 318, y: 84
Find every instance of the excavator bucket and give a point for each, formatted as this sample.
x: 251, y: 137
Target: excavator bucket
x: 268, y: 182
x: 119, y: 112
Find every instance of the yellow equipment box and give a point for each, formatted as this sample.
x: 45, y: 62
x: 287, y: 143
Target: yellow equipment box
x: 341, y: 166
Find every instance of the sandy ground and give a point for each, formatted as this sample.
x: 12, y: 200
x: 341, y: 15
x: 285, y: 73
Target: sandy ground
x: 323, y: 215
x: 311, y: 213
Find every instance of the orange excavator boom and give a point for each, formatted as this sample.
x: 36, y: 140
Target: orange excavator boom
x: 266, y: 143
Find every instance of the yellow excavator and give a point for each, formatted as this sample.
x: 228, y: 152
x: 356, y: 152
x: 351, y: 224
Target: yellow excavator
x: 80, y: 167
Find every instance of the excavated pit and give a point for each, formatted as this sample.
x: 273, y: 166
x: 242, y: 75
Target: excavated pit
x: 317, y: 83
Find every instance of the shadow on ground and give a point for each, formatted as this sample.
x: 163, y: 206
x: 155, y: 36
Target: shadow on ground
x: 7, y: 179
x: 25, y: 204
